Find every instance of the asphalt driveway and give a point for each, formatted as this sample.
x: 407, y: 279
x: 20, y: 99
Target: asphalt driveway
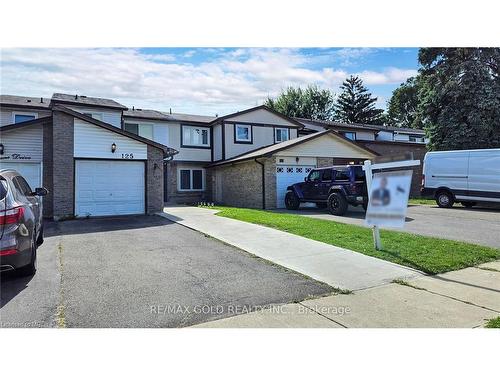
x: 479, y: 225
x: 143, y: 271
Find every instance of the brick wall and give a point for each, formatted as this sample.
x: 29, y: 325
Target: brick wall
x: 241, y: 184
x: 154, y: 183
x: 185, y: 197
x: 63, y: 165
x: 47, y: 178
x: 395, y: 149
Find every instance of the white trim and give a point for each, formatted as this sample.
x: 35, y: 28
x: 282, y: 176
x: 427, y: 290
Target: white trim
x: 190, y: 178
x: 276, y: 134
x: 249, y: 127
x: 35, y: 114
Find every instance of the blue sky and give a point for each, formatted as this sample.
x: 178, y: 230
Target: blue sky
x: 200, y: 80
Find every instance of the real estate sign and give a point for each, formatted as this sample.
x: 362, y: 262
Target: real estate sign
x: 388, y: 202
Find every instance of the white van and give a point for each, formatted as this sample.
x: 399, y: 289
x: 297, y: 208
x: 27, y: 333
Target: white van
x: 465, y: 176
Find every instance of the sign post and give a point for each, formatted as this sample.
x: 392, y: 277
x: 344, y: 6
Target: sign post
x: 388, y: 197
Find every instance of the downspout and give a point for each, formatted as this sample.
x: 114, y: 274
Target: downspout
x: 263, y: 183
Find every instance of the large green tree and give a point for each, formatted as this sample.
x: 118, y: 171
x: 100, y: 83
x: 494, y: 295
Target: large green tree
x: 355, y: 104
x: 310, y: 103
x: 459, y: 97
x: 402, y: 107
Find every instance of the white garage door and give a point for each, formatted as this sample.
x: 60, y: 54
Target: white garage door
x: 288, y: 175
x: 104, y: 188
x: 30, y: 171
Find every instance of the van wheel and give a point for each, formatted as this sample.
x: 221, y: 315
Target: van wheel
x: 468, y: 204
x: 337, y: 204
x: 39, y: 240
x: 444, y: 199
x: 291, y: 201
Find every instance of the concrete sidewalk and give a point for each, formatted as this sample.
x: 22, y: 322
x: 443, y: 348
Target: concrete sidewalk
x: 458, y: 299
x: 340, y: 268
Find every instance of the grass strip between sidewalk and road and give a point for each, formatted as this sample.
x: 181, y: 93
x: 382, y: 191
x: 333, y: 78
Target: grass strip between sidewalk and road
x: 428, y: 254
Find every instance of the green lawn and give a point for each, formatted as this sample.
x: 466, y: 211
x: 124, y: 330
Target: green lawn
x: 422, y: 201
x: 430, y: 255
x: 493, y: 323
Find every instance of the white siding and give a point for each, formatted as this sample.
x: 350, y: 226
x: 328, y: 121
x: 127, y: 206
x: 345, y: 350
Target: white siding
x: 113, y: 117
x: 364, y: 135
x: 262, y: 136
x: 92, y: 141
x: 6, y: 117
x: 329, y: 146
x: 261, y: 116
x: 217, y: 129
x: 26, y: 143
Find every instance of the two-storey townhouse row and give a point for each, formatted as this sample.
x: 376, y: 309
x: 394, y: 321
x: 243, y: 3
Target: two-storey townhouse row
x: 385, y: 140
x: 99, y: 158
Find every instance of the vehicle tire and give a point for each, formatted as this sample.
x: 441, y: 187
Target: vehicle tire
x: 39, y: 240
x: 468, y: 204
x: 321, y: 205
x: 30, y: 269
x: 444, y: 199
x: 337, y: 204
x: 291, y: 201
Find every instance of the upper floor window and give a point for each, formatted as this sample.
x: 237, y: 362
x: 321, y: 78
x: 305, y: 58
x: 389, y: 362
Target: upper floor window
x: 23, y: 116
x: 349, y: 135
x: 143, y: 130
x: 94, y: 115
x: 243, y: 133
x: 195, y: 136
x: 416, y: 139
x: 281, y: 134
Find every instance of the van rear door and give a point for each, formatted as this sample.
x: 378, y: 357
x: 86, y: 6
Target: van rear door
x: 484, y: 175
x: 447, y: 169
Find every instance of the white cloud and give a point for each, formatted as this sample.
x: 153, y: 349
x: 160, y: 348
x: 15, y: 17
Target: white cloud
x: 223, y: 83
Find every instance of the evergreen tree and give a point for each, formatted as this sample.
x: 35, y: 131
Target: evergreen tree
x: 356, y: 105
x: 459, y: 97
x: 402, y: 107
x: 310, y: 103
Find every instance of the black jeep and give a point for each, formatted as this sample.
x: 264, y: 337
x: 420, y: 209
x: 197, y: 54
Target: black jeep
x: 334, y: 187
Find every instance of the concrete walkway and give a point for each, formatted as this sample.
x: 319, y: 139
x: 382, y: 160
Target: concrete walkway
x: 340, y: 268
x: 458, y: 299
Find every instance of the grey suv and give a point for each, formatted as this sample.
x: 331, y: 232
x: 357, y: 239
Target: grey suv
x: 21, y: 223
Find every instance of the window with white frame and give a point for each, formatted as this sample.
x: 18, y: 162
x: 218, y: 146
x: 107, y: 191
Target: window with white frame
x: 18, y: 117
x: 349, y: 135
x: 144, y: 130
x: 94, y: 115
x: 195, y: 136
x: 280, y: 134
x: 243, y: 133
x: 191, y: 179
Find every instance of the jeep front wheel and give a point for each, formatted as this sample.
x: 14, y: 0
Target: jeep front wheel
x: 337, y: 204
x: 291, y: 201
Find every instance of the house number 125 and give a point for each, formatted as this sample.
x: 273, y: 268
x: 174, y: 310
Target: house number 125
x: 128, y: 156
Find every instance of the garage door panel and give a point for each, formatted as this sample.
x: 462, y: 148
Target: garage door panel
x: 106, y: 188
x: 287, y: 175
x: 30, y: 171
